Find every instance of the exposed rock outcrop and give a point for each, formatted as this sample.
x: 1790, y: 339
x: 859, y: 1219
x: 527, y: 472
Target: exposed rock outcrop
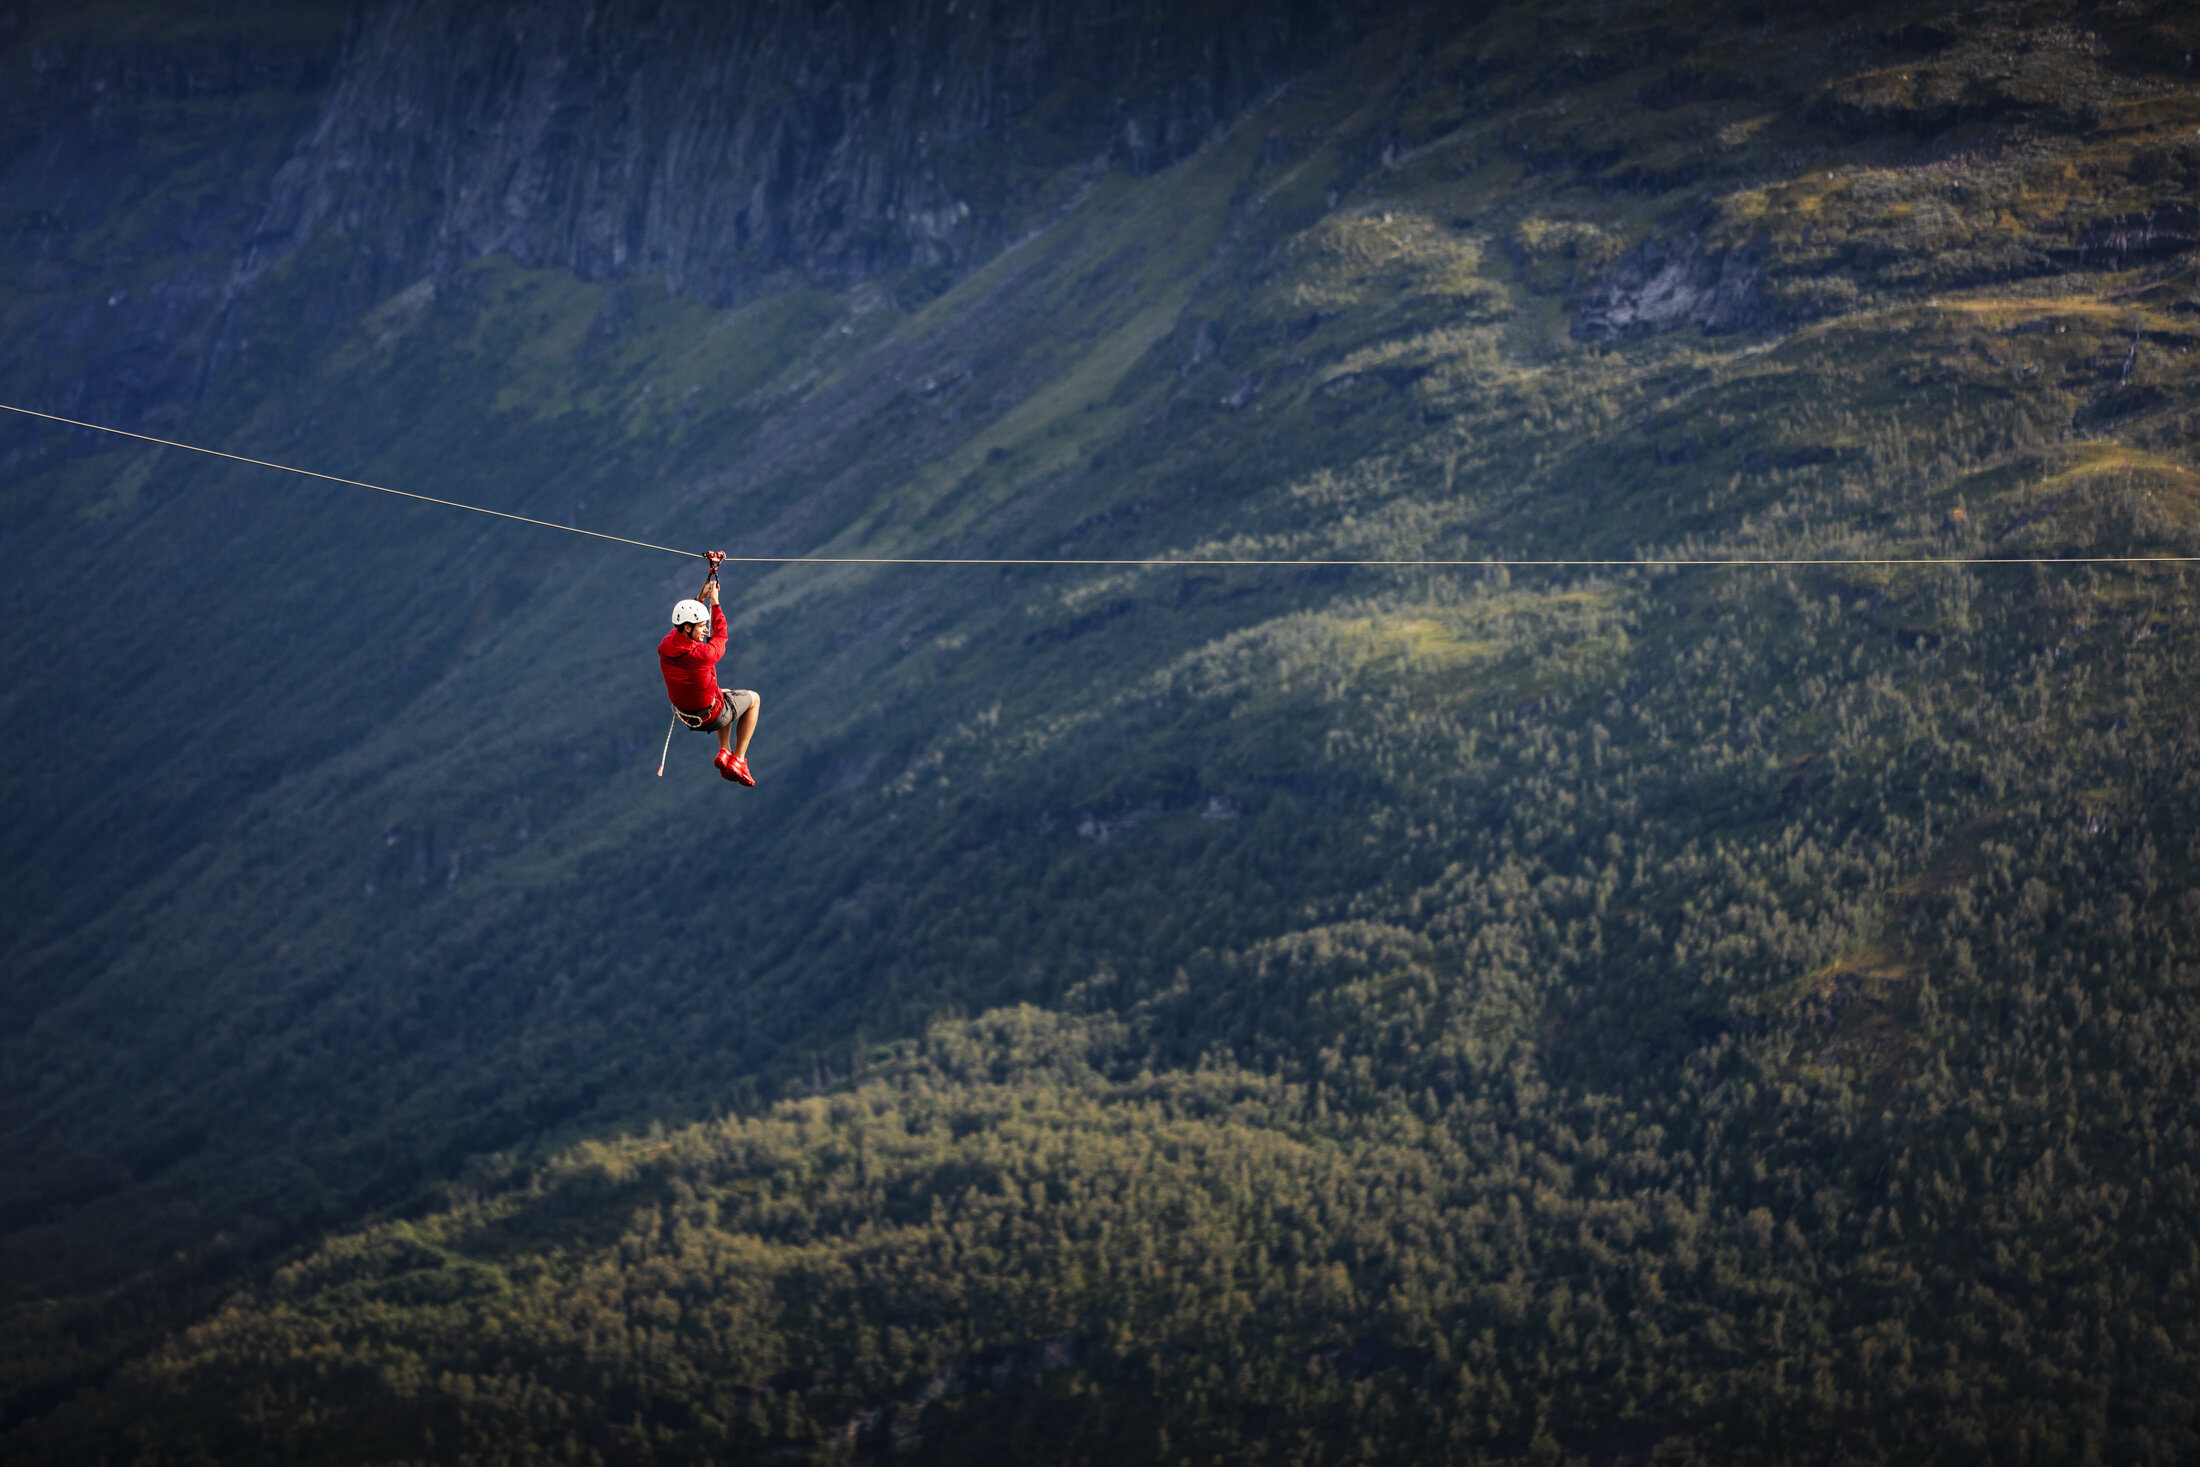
x: 2168, y: 229
x: 1664, y: 284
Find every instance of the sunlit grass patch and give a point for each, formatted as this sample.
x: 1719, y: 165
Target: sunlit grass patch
x: 1402, y: 266
x: 1515, y: 640
x: 2100, y: 495
x: 2086, y: 463
x: 1045, y: 432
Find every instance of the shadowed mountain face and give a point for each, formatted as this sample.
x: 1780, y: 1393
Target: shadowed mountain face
x: 721, y: 151
x: 718, y: 147
x: 1290, y: 1008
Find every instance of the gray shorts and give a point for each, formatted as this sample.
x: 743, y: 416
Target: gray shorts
x: 732, y: 703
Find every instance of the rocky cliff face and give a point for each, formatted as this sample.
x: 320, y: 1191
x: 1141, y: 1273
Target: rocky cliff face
x: 150, y: 169
x: 718, y: 146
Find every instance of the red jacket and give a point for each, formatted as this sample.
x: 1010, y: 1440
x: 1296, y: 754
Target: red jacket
x: 690, y: 667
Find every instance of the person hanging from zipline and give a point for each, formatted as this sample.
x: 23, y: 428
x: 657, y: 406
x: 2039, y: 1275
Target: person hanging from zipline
x: 688, y: 657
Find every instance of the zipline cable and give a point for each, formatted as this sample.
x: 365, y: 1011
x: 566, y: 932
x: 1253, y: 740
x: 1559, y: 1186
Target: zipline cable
x: 339, y: 479
x: 1186, y: 562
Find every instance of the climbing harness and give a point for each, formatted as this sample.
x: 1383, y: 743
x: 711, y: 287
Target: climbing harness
x: 700, y: 721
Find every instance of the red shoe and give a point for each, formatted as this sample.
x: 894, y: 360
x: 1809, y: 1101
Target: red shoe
x: 736, y: 769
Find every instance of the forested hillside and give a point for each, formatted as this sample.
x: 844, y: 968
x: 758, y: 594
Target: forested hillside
x: 1297, y: 1011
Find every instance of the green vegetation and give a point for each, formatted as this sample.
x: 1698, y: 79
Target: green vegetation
x: 1170, y: 1014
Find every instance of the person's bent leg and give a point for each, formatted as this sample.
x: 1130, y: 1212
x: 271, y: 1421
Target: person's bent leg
x: 729, y: 709
x: 745, y: 730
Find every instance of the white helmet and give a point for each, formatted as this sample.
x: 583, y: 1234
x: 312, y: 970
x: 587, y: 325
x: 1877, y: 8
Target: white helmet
x: 689, y: 611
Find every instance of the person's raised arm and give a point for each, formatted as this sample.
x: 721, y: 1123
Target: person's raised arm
x: 717, y: 648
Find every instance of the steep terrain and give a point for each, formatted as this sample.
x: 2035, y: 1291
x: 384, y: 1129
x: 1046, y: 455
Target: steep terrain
x: 1277, y: 1012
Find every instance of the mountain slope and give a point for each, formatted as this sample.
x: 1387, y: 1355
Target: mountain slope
x: 1284, y: 1010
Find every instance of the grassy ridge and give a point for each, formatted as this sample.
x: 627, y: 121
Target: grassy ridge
x: 1323, y: 1015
